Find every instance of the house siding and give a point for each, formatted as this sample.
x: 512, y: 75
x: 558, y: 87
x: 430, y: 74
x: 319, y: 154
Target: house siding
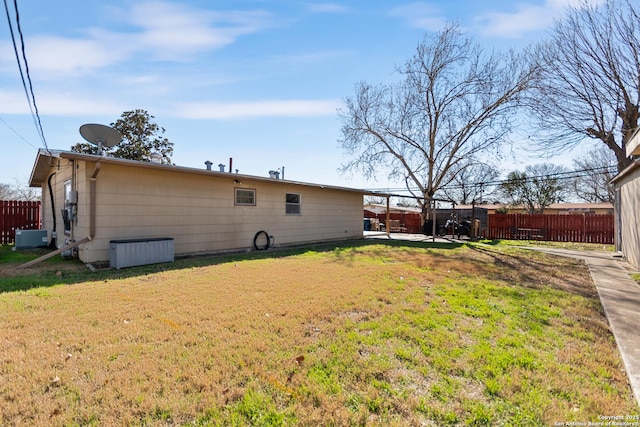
x: 62, y: 173
x: 629, y: 216
x: 198, y: 210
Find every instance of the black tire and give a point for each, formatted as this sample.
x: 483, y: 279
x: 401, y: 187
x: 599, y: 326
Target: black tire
x: 255, y: 241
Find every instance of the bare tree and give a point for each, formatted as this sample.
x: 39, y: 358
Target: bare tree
x: 22, y: 191
x: 6, y: 192
x: 537, y: 187
x: 596, y: 169
x: 18, y: 191
x: 455, y: 102
x: 407, y: 203
x: 589, y: 87
x: 374, y: 200
x: 471, y: 184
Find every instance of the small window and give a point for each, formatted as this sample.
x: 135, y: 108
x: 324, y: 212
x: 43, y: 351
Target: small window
x: 67, y: 192
x: 293, y: 204
x: 67, y: 210
x: 245, y: 197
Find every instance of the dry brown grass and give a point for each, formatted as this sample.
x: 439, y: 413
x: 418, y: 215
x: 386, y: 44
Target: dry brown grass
x: 200, y: 345
x: 184, y: 340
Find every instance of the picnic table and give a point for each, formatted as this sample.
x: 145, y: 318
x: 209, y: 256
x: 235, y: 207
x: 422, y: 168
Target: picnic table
x: 528, y: 233
x: 396, y: 227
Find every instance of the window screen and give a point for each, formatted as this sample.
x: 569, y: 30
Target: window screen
x: 293, y: 204
x: 245, y: 197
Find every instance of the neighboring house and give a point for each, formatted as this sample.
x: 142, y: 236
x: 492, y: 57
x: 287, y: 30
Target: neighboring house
x: 553, y: 209
x: 627, y: 186
x: 579, y: 208
x: 101, y: 199
x: 378, y: 209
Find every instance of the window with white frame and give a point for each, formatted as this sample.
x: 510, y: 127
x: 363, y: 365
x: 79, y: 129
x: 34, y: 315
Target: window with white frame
x: 245, y: 197
x: 293, y: 204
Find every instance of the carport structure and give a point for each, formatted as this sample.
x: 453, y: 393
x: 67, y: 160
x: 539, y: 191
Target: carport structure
x: 425, y: 212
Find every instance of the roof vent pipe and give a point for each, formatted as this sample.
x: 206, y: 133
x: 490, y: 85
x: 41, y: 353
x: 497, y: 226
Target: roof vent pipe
x: 277, y: 175
x: 208, y: 164
x: 272, y: 174
x: 221, y: 166
x: 156, y: 158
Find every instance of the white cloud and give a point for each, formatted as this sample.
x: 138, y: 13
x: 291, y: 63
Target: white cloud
x: 173, y: 31
x: 421, y: 15
x: 526, y: 18
x: 159, y: 30
x: 256, y: 109
x: 73, y: 56
x: 13, y: 102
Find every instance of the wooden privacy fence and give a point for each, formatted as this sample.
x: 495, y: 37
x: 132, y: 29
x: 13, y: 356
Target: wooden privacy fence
x: 556, y: 228
x: 16, y: 214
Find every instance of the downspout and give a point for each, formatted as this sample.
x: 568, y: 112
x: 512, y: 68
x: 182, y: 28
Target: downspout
x: 53, y: 243
x: 92, y: 200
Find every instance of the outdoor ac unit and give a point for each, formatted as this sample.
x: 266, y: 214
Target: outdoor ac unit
x: 28, y: 239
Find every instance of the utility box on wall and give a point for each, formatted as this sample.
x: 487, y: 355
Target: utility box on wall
x: 29, y: 239
x: 134, y: 252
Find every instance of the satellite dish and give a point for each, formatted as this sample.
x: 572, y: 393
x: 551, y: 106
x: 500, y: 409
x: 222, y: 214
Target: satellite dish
x: 100, y: 135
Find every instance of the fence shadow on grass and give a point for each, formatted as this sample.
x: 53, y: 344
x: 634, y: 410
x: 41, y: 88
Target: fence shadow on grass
x: 524, y: 269
x: 56, y: 271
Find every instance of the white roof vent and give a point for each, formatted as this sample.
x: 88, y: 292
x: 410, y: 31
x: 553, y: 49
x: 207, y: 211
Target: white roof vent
x: 156, y: 158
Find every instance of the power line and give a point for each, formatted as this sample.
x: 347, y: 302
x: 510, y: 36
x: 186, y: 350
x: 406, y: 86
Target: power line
x: 558, y: 175
x: 16, y: 132
x: 33, y: 107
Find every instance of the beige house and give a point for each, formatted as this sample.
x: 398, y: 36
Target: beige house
x: 627, y: 185
x: 97, y: 200
x: 627, y: 211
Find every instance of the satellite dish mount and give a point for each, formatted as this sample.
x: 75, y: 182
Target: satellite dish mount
x: 100, y: 135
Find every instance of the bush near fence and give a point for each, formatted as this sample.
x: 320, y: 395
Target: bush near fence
x: 17, y: 214
x: 556, y: 228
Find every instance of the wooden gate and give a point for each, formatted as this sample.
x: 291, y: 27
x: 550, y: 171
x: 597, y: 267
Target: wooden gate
x: 15, y: 214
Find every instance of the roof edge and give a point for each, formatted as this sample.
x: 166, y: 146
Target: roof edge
x: 39, y: 164
x: 626, y: 171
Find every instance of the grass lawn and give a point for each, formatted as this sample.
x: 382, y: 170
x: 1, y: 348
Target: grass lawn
x: 367, y: 333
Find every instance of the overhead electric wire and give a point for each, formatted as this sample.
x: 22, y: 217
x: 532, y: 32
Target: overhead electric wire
x: 16, y: 132
x: 558, y: 175
x: 31, y: 100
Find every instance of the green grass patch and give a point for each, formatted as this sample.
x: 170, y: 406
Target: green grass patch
x: 366, y: 333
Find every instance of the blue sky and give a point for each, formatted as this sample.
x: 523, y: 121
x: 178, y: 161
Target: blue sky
x: 255, y: 80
